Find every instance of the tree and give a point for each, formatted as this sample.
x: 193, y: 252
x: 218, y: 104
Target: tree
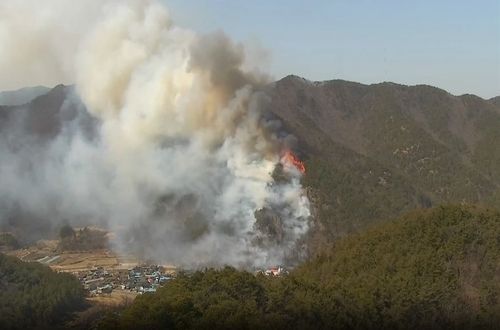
x: 67, y: 231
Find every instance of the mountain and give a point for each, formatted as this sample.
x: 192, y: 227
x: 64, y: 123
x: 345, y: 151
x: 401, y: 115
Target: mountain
x: 44, y: 116
x: 22, y: 96
x: 372, y: 152
x: 25, y: 132
x: 495, y: 100
x: 430, y: 269
x: 375, y: 151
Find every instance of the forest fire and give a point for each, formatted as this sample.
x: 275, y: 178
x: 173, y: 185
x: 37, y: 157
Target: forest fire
x: 289, y: 158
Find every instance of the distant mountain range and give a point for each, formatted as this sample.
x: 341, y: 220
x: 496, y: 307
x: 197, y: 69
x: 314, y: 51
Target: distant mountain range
x: 495, y: 100
x: 372, y: 152
x: 22, y: 96
x: 44, y: 115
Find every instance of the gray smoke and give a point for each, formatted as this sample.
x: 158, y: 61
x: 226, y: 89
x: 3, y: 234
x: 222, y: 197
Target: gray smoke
x: 162, y: 140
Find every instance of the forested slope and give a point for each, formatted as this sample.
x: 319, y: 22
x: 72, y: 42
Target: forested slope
x: 34, y: 296
x: 376, y: 151
x: 432, y: 269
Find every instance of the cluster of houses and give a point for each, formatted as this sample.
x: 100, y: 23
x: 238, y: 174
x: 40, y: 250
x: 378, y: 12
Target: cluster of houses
x: 273, y: 271
x: 140, y: 279
x: 144, y: 279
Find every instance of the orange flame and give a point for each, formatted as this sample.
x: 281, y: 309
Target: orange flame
x: 290, y: 159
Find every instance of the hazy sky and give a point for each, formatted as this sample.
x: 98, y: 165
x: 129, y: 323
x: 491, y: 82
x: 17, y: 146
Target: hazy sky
x: 454, y: 45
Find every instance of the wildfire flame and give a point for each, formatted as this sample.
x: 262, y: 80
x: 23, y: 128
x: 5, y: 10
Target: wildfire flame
x: 290, y: 159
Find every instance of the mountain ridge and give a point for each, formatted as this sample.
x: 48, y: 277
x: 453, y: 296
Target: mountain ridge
x: 386, y: 148
x: 494, y: 99
x: 21, y: 96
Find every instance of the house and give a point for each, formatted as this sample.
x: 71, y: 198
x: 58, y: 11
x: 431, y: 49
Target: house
x: 149, y: 290
x: 105, y: 289
x: 275, y: 271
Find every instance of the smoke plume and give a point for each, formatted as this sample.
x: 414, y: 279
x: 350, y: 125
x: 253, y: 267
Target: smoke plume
x: 162, y: 139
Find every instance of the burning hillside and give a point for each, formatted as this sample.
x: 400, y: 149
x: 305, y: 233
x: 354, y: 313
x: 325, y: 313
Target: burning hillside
x: 290, y: 160
x: 179, y: 156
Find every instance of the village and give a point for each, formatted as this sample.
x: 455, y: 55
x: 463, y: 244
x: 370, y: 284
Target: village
x: 102, y: 272
x: 139, y: 279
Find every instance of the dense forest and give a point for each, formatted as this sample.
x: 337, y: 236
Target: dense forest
x: 437, y: 268
x: 34, y: 296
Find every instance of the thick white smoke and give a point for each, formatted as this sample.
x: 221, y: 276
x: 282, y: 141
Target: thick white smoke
x: 39, y: 39
x: 183, y: 156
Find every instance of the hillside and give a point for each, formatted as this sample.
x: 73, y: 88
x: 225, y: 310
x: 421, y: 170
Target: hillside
x: 495, y: 100
x: 430, y: 269
x: 372, y: 152
x: 375, y: 151
x: 43, y: 117
x: 26, y: 131
x: 34, y: 296
x: 22, y: 96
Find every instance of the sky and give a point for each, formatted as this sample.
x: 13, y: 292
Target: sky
x: 454, y: 45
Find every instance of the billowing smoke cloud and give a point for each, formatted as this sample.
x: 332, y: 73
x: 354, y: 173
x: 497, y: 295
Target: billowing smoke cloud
x: 170, y: 150
x: 40, y: 39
